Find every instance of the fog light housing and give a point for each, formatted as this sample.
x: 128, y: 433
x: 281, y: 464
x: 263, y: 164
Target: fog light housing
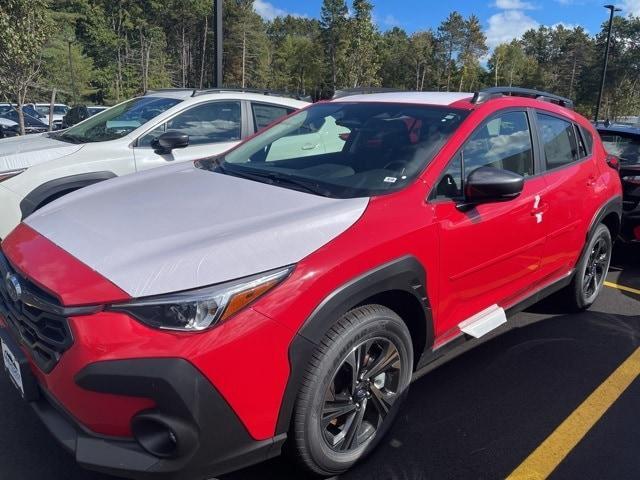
x: 164, y: 436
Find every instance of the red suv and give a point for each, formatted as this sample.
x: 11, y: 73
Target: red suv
x: 190, y: 320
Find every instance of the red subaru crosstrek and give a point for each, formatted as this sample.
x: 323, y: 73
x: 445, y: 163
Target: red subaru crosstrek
x: 190, y: 320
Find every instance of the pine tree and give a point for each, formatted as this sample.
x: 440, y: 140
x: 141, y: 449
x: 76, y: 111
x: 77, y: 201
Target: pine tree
x: 333, y: 21
x: 362, y: 62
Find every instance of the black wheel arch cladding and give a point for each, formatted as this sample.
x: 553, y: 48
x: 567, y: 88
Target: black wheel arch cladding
x: 39, y: 195
x: 404, y: 275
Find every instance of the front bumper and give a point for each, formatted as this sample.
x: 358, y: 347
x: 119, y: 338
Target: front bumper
x: 210, y: 438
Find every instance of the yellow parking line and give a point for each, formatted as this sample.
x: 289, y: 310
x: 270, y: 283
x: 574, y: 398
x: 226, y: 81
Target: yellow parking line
x: 557, y: 446
x: 622, y: 287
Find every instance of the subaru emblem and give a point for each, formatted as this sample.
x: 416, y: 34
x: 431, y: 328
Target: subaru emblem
x: 14, y: 288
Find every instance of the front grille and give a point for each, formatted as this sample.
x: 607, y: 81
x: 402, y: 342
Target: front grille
x: 36, y: 318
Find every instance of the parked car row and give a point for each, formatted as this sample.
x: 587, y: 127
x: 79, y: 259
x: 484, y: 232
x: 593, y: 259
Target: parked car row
x: 37, y: 117
x: 290, y: 270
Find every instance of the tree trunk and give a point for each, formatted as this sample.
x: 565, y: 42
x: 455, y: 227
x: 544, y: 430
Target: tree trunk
x: 244, y: 57
x: 73, y: 79
x: 497, y: 65
x: 424, y: 73
x: 573, y: 76
x: 511, y: 78
x: 204, y: 49
x: 51, y: 104
x: 184, y: 59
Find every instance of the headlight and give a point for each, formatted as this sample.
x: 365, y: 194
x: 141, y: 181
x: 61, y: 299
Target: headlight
x: 11, y: 173
x: 200, y: 309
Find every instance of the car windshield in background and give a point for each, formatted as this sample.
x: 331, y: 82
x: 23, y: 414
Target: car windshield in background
x: 118, y: 121
x: 29, y: 121
x: 625, y: 146
x: 345, y: 149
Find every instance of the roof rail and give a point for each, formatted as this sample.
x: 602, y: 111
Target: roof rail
x: 261, y: 91
x: 161, y: 90
x: 347, y: 92
x: 482, y: 96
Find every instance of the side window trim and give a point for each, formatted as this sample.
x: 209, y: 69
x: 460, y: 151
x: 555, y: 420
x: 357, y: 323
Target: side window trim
x: 252, y: 114
x: 186, y: 109
x: 541, y: 141
x: 580, y: 136
x: 535, y: 142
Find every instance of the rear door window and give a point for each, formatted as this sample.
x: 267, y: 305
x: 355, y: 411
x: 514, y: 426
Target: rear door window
x: 264, y: 115
x: 558, y: 140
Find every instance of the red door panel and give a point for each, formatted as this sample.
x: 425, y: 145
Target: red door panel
x: 487, y: 254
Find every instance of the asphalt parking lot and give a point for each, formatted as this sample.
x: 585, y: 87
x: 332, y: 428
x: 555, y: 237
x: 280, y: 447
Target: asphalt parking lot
x: 513, y: 407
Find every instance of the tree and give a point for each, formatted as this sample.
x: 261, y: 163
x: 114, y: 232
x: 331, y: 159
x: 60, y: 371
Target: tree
x: 509, y: 64
x: 25, y: 26
x: 422, y: 56
x: 473, y: 46
x: 393, y: 50
x: 451, y: 35
x: 333, y: 21
x: 362, y: 61
x: 245, y: 53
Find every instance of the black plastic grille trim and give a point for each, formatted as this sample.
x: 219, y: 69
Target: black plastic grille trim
x: 37, y: 320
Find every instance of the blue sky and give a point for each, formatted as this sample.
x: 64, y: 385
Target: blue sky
x: 503, y: 20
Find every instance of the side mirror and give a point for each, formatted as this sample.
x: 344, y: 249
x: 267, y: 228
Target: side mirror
x: 166, y: 142
x: 488, y: 184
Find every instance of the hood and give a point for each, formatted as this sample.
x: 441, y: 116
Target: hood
x: 27, y: 151
x: 178, y: 228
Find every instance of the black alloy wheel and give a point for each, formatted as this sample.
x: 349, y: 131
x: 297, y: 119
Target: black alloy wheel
x: 352, y: 389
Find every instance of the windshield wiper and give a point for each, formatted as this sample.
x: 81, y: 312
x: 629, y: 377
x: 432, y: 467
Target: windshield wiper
x: 274, y: 178
x: 65, y: 137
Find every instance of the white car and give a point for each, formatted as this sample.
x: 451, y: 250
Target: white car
x: 59, y: 111
x: 160, y: 128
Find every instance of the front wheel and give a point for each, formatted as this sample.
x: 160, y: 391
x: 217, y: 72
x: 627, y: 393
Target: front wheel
x: 591, y: 271
x: 352, y: 389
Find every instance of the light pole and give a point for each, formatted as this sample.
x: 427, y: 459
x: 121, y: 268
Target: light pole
x: 613, y: 10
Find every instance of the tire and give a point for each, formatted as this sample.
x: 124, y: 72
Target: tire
x: 366, y: 338
x: 591, y: 270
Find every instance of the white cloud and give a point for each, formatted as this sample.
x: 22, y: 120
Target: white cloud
x: 268, y: 11
x: 631, y: 6
x: 507, y: 25
x: 514, y: 5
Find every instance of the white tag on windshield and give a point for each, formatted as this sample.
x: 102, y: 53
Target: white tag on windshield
x: 390, y: 179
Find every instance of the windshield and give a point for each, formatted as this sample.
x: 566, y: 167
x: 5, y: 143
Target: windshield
x: 118, y: 121
x: 29, y: 121
x: 345, y: 149
x: 625, y: 146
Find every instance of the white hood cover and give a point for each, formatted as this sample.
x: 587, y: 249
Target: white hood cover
x: 177, y: 228
x: 29, y: 150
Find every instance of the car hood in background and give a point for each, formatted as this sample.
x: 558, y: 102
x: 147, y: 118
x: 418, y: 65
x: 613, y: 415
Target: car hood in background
x: 178, y: 228
x: 27, y: 151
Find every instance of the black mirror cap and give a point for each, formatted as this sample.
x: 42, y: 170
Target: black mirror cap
x: 489, y: 184
x: 166, y: 142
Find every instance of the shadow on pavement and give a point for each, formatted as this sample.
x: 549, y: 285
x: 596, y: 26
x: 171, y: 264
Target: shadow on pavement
x: 481, y: 414
x: 625, y: 267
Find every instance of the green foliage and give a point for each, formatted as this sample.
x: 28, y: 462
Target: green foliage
x: 121, y: 48
x: 24, y: 27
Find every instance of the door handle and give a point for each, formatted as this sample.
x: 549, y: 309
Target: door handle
x: 591, y: 182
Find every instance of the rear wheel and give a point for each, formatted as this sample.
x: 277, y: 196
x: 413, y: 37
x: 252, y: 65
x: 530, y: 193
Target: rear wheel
x: 352, y: 389
x: 592, y: 269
